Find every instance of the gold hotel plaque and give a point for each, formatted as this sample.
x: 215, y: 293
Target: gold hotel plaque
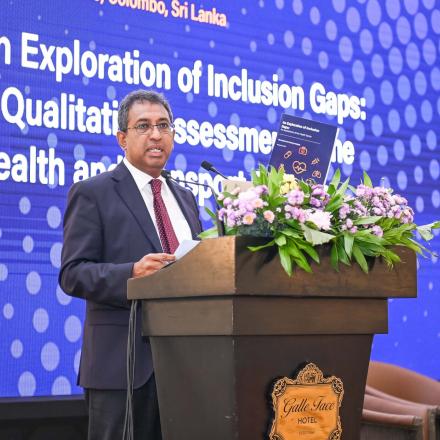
x: 307, y: 407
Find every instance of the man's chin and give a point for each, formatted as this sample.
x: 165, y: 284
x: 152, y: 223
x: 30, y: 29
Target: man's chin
x: 154, y: 169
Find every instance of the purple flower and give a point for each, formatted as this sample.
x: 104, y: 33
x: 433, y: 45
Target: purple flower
x: 227, y: 201
x: 319, y: 196
x: 298, y: 214
x: 230, y: 223
x: 399, y: 200
x: 320, y: 218
x: 295, y: 197
x: 377, y: 230
x: 316, y: 202
x: 344, y: 210
x: 261, y: 189
x: 363, y: 191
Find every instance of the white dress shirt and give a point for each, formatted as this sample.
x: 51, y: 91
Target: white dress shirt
x: 178, y: 220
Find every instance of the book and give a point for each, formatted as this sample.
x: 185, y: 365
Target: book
x: 304, y: 147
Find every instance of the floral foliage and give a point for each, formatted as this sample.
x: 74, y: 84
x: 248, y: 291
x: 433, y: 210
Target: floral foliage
x: 358, y: 222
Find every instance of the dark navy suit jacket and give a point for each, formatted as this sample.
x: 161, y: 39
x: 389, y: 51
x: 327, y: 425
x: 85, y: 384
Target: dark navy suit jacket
x: 107, y: 228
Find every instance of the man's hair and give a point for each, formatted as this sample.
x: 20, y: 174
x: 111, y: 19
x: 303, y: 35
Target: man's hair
x: 140, y: 96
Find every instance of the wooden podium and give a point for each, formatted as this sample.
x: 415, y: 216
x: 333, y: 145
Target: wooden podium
x: 225, y: 323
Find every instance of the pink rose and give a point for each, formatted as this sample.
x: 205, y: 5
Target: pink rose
x: 269, y: 216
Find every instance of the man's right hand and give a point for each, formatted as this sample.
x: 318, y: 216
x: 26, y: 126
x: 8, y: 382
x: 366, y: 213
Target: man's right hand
x: 150, y: 264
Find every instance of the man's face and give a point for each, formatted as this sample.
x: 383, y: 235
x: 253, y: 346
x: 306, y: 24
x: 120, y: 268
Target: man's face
x: 150, y: 151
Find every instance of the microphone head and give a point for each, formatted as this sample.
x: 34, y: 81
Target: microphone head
x: 207, y: 166
x: 165, y: 174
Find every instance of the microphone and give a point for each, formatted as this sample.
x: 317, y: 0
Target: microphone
x: 209, y: 167
x: 167, y: 175
x: 220, y: 225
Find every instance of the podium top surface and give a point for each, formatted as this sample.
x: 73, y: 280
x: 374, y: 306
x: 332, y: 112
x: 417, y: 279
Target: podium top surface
x: 225, y: 267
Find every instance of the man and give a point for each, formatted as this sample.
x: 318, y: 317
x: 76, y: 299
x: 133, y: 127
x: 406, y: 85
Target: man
x: 120, y: 224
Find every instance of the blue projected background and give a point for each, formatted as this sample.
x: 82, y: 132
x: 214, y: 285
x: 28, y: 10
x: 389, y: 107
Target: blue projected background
x: 230, y: 69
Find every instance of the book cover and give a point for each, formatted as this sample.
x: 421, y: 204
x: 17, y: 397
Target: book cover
x: 304, y: 147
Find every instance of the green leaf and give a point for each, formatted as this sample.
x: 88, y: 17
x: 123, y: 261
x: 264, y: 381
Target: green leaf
x: 294, y: 224
x: 260, y: 177
x: 352, y: 189
x: 331, y: 190
x: 367, y: 180
x: 263, y: 246
x: 316, y: 237
x: 290, y: 233
x: 390, y: 257
x: 367, y: 220
x: 309, y: 250
x: 343, y: 188
x: 274, y: 202
x: 334, y: 260
x: 304, y: 187
x: 334, y: 203
x: 386, y: 223
x: 369, y: 249
x: 211, y: 214
x: 348, y: 243
x: 336, y: 178
x: 280, y: 240
x: 370, y: 240
x: 286, y: 262
x: 254, y: 177
x: 425, y: 231
x: 298, y: 257
x: 408, y: 242
x: 360, y: 259
x: 342, y: 255
x: 303, y: 264
x: 396, y: 233
x: 209, y: 233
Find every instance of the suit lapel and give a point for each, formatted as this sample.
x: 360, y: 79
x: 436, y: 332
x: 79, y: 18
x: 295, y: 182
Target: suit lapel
x: 128, y: 191
x: 182, y: 199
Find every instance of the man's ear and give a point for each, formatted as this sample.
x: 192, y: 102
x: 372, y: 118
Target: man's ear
x: 122, y: 139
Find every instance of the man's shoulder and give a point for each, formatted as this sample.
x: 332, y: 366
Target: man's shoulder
x: 102, y: 179
x: 180, y: 189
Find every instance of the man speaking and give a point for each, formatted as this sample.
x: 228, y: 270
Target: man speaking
x: 121, y: 224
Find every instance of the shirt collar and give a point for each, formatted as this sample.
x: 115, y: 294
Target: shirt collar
x: 141, y: 179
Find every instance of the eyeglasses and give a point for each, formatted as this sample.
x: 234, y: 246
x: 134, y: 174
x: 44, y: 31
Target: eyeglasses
x: 146, y: 128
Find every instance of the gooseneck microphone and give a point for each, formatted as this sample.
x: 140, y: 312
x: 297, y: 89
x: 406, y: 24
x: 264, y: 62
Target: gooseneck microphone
x: 167, y: 175
x: 220, y: 225
x: 209, y: 167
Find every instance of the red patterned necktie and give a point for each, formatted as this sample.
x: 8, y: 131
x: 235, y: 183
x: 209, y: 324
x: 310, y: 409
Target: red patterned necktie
x: 167, y: 235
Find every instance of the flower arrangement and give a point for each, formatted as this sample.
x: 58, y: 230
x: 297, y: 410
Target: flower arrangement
x: 358, y: 222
